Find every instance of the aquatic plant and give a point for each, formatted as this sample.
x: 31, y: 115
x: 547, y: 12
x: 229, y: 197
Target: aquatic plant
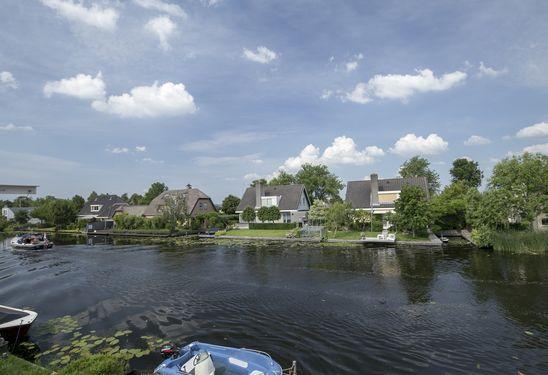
x: 520, y: 242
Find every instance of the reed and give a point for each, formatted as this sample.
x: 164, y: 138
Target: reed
x: 520, y: 242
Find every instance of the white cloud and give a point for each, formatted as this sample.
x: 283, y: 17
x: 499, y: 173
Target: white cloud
x: 251, y: 176
x: 220, y: 160
x: 353, y: 65
x: 410, y: 144
x: 263, y: 55
x: 81, y: 86
x: 211, y: 3
x: 140, y: 148
x: 534, y: 131
x: 542, y: 148
x: 151, y: 161
x: 477, y: 140
x: 95, y: 15
x: 163, y: 28
x: 169, y: 8
x: 485, y: 71
x: 169, y: 99
x: 7, y: 80
x: 11, y: 127
x: 326, y: 94
x: 343, y: 150
x: 401, y: 87
x: 118, y: 150
x: 227, y: 138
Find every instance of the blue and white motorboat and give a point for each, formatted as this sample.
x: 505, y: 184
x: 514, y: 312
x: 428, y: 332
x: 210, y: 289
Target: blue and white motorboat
x: 206, y: 359
x: 31, y: 241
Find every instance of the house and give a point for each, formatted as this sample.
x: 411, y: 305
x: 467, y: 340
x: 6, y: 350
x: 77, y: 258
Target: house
x: 378, y: 195
x: 136, y: 210
x: 197, y: 202
x: 102, y: 208
x: 9, y: 213
x: 292, y: 201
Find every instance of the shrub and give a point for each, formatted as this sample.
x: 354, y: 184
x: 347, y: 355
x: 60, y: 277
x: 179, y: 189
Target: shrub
x: 95, y: 365
x: 272, y: 225
x: 482, y: 236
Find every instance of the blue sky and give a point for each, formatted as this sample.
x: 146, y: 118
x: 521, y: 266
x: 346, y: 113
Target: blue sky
x: 113, y: 95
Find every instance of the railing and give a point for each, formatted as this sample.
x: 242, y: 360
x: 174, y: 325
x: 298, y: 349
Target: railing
x: 291, y: 370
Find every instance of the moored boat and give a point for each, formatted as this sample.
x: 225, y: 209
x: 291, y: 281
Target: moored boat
x: 31, y: 241
x: 15, y: 323
x: 200, y: 358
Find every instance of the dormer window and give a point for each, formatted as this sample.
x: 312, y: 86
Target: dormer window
x: 95, y: 208
x: 269, y: 201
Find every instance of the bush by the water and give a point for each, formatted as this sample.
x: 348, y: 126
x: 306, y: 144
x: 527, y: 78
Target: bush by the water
x: 272, y: 225
x: 95, y: 365
x: 520, y: 242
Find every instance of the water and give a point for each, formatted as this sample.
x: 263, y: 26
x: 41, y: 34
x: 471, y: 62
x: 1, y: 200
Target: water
x: 335, y: 310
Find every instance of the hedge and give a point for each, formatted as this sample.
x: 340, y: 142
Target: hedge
x: 272, y: 225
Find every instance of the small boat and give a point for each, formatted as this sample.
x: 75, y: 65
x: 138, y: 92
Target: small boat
x: 31, y: 241
x: 444, y: 239
x: 15, y: 323
x: 199, y: 358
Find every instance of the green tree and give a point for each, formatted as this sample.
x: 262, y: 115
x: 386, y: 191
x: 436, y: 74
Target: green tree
x: 261, y: 180
x: 337, y: 216
x: 125, y: 197
x: 154, y: 190
x: 361, y: 218
x: 283, y: 178
x: 135, y: 199
x: 448, y: 209
x: 23, y: 201
x: 466, y: 171
x: 175, y: 211
x: 248, y: 214
x: 420, y: 167
x: 62, y: 213
x: 320, y: 183
x: 92, y: 196
x: 318, y: 211
x: 78, y: 202
x: 263, y: 214
x: 274, y: 213
x: 21, y: 217
x: 229, y: 205
x: 4, y: 223
x: 412, y: 210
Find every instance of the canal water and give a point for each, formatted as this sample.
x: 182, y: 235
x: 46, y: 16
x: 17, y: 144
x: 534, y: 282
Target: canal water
x: 335, y: 310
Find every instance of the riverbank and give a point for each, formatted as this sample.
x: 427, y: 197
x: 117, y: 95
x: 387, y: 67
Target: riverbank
x: 16, y: 365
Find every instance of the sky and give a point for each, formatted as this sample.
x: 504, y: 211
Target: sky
x: 111, y: 96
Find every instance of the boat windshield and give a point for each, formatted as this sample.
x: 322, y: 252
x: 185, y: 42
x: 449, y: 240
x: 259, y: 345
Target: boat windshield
x: 8, y: 317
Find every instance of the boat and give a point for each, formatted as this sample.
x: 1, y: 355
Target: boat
x: 31, y: 241
x: 15, y: 323
x: 199, y: 358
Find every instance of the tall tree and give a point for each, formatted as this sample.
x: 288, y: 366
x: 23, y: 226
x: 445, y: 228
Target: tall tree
x: 418, y: 166
x: 449, y: 207
x: 125, y: 197
x: 154, y: 190
x: 62, y: 213
x: 175, y: 211
x: 21, y: 217
x: 337, y: 216
x: 320, y: 183
x: 229, y: 205
x: 254, y: 182
x: 78, y: 202
x: 135, y: 199
x: 412, y: 210
x: 92, y: 196
x: 283, y: 178
x: 467, y: 171
x: 23, y: 201
x: 318, y: 211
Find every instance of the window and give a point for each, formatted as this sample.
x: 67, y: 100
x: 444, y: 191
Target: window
x: 269, y: 201
x: 544, y: 221
x: 286, y: 217
x: 95, y: 207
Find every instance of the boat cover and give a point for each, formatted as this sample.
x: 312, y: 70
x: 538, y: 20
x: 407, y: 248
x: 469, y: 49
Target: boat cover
x: 227, y: 361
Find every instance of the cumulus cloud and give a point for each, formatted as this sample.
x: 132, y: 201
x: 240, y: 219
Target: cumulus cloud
x: 353, y: 64
x: 251, y: 176
x: 118, y: 150
x: 534, y: 131
x: 326, y: 94
x: 343, y: 150
x: 151, y: 161
x: 410, y: 144
x: 263, y: 55
x: 140, y: 148
x: 163, y: 28
x: 401, y: 87
x: 485, y: 71
x: 7, y: 80
x: 169, y: 8
x: 169, y: 99
x: 542, y: 148
x: 95, y: 15
x: 211, y: 3
x: 81, y: 86
x: 477, y: 140
x: 11, y: 127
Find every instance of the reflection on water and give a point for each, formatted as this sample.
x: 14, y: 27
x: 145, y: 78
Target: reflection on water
x: 335, y: 310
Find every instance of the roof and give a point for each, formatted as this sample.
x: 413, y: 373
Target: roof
x: 358, y: 193
x: 109, y: 203
x: 138, y: 210
x: 190, y: 194
x: 290, y: 196
x: 17, y: 209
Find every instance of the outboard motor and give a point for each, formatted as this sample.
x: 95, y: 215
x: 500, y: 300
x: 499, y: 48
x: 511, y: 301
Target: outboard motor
x: 169, y: 350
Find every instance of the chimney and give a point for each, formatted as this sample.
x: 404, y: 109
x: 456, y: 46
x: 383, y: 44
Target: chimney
x: 258, y: 194
x: 188, y: 186
x: 374, y: 201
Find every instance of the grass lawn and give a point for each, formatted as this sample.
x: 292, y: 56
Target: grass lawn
x: 350, y: 235
x: 258, y: 232
x: 14, y: 365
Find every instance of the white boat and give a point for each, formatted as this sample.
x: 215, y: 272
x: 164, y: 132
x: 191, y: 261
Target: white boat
x: 31, y: 241
x: 15, y: 323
